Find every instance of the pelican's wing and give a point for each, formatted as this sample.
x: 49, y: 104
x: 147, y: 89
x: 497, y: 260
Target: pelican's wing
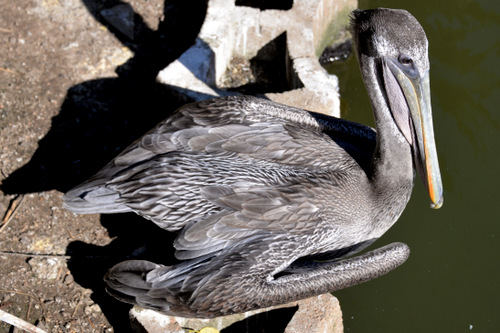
x: 254, y: 128
x: 247, y: 214
x: 223, y: 142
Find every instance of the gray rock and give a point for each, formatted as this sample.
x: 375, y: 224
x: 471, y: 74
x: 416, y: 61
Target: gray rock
x: 46, y: 268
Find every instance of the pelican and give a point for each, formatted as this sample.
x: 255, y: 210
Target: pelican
x: 268, y: 199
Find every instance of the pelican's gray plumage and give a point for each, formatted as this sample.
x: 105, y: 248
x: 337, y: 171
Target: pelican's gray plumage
x: 259, y: 190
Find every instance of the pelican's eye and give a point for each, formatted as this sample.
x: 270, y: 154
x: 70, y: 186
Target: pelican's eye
x: 405, y: 60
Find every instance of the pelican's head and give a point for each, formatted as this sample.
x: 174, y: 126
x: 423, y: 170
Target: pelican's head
x: 394, y: 44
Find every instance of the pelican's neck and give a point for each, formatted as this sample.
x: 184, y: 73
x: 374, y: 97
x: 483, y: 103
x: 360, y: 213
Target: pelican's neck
x: 392, y: 164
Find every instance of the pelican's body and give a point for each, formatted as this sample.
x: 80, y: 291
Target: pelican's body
x: 258, y: 190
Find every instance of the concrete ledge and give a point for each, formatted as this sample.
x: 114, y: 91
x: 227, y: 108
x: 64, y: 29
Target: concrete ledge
x: 231, y: 31
x: 313, y: 315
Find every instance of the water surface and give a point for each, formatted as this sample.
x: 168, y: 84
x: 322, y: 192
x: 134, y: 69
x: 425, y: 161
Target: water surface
x: 451, y: 283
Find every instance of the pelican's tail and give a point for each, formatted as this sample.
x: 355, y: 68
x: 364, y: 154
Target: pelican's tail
x: 93, y: 197
x: 127, y: 282
x: 136, y: 282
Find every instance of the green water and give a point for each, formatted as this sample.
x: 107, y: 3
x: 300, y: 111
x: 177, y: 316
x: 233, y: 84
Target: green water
x: 451, y: 283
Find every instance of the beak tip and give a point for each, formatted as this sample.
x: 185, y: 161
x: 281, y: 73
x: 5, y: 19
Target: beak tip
x: 437, y: 204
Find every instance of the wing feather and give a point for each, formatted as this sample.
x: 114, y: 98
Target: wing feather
x: 252, y: 212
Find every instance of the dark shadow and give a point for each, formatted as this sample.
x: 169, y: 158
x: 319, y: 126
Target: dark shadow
x: 204, y: 71
x: 272, y: 70
x: 101, y: 117
x: 97, y: 120
x: 134, y: 238
x: 266, y: 4
x: 274, y: 321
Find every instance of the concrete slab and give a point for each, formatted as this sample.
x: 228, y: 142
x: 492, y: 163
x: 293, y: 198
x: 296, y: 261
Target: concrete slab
x: 231, y: 31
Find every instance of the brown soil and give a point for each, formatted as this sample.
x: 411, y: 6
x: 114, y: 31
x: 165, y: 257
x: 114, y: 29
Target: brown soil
x: 74, y: 91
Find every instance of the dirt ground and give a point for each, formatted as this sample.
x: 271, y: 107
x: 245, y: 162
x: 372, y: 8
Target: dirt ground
x: 74, y: 91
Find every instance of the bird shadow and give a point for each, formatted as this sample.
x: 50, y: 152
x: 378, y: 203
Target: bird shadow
x: 97, y: 120
x: 133, y: 238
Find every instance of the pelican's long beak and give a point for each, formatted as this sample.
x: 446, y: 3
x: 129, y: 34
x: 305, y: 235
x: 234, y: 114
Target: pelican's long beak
x: 416, y: 90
